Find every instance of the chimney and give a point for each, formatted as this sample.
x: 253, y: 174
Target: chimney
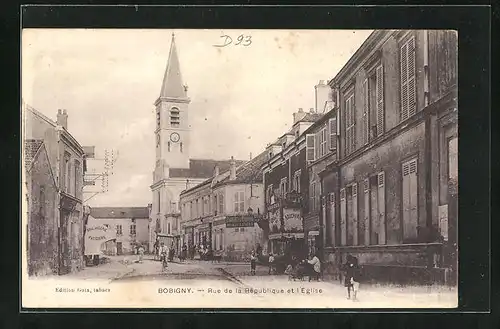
x: 322, y: 95
x: 216, y: 170
x: 297, y: 116
x: 311, y: 110
x: 62, y: 118
x: 232, y: 173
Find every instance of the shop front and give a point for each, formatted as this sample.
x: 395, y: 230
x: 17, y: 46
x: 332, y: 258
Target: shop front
x: 286, y: 232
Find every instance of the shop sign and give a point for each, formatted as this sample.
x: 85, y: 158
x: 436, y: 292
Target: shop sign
x: 292, y: 219
x: 240, y: 221
x: 275, y: 221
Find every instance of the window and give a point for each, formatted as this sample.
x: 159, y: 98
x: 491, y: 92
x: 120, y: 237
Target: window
x: 321, y: 140
x: 158, y: 198
x: 343, y: 222
x: 332, y: 124
x: 310, y: 143
x: 269, y: 194
x: 408, y: 83
x: 168, y: 228
x: 119, y: 230
x: 312, y: 195
x: 296, y: 181
x: 239, y: 202
x: 66, y: 173
x: 77, y: 185
x: 237, y: 229
x: 283, y: 187
x: 215, y: 204
x: 374, y: 210
x: 352, y: 214
x: 132, y: 229
x: 191, y: 210
x: 410, y: 200
x: 242, y: 229
x: 373, y: 104
x: 350, y: 125
x: 221, y: 203
x: 330, y: 220
x: 205, y: 206
x: 168, y: 146
x: 175, y: 117
x: 158, y: 121
x: 181, y: 147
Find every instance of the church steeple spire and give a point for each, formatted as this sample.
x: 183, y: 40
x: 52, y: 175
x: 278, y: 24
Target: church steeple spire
x: 172, y: 86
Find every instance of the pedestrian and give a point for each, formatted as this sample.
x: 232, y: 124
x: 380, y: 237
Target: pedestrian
x: 316, y: 263
x: 141, y: 253
x: 253, y: 263
x: 271, y: 263
x: 163, y: 255
x: 351, y: 280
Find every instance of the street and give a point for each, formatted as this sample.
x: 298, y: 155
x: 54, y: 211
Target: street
x: 207, y: 276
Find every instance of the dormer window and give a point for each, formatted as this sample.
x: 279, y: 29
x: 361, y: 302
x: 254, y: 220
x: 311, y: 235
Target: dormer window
x: 175, y: 119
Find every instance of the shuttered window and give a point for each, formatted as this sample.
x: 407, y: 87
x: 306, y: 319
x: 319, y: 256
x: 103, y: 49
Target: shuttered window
x: 350, y: 123
x: 312, y: 197
x: 410, y: 197
x: 380, y: 100
x: 343, y: 224
x: 408, y: 83
x: 366, y: 112
x: 331, y: 220
x: 354, y: 213
x: 332, y: 125
x: 381, y: 208
x: 310, y: 143
x: 366, y: 208
x: 221, y: 204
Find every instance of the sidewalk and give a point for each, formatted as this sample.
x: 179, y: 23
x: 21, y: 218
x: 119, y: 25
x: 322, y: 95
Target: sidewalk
x: 116, y: 268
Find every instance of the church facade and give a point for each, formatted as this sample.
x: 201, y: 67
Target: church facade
x: 174, y: 170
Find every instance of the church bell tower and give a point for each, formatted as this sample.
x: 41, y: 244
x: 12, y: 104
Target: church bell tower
x: 172, y: 120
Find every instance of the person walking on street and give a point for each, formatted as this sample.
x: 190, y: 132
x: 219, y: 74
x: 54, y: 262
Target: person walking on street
x: 253, y: 263
x: 271, y: 263
x: 163, y: 255
x: 351, y: 280
x: 316, y: 263
x: 141, y: 253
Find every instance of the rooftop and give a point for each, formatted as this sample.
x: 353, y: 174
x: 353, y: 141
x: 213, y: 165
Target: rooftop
x: 248, y: 172
x: 119, y: 212
x: 202, y: 168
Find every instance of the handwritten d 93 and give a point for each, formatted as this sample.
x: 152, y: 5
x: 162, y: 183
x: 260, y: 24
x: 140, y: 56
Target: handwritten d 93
x: 241, y: 40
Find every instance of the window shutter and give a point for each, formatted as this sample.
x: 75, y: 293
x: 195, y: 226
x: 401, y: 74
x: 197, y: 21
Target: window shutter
x: 353, y: 123
x: 381, y: 207
x: 310, y: 147
x: 409, y: 226
x: 332, y: 124
x: 317, y: 145
x: 366, y: 109
x: 343, y: 226
x: 404, y: 81
x: 380, y: 99
x: 413, y: 193
x: 332, y: 218
x: 355, y: 213
x: 366, y: 188
x: 412, y: 97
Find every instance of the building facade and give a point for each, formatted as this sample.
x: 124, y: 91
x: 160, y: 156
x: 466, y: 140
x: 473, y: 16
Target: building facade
x: 390, y: 197
x: 131, y: 225
x: 66, y: 158
x: 224, y: 211
x: 174, y: 169
x: 292, y: 189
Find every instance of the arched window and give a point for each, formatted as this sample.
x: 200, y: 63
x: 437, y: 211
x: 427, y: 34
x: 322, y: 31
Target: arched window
x: 175, y: 119
x: 181, y: 147
x: 168, y: 146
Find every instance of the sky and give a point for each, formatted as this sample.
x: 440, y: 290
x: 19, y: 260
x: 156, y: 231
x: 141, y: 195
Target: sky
x: 242, y: 97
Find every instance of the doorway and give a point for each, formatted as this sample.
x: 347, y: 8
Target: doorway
x: 119, y: 250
